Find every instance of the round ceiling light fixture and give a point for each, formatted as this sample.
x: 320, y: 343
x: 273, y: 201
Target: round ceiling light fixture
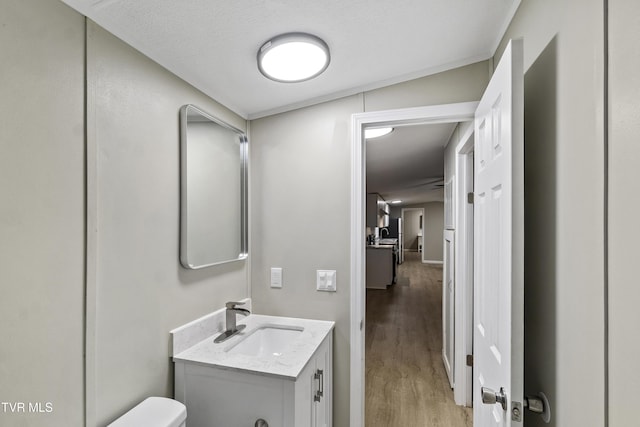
x: 376, y: 132
x: 293, y: 57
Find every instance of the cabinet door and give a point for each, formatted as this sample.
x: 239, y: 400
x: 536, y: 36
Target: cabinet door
x: 324, y: 371
x: 303, y: 400
x: 372, y: 211
x: 221, y: 398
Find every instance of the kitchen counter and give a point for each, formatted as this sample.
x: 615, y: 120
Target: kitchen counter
x: 388, y: 241
x: 288, y: 365
x: 380, y: 266
x: 384, y: 244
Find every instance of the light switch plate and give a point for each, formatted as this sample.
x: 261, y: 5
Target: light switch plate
x: 326, y: 280
x: 276, y: 277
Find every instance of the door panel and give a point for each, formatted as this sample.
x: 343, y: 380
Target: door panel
x: 499, y: 241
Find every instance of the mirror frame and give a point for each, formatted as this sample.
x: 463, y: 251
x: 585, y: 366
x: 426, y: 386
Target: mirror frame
x: 244, y: 142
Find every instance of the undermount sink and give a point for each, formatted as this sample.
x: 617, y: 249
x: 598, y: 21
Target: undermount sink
x: 266, y: 340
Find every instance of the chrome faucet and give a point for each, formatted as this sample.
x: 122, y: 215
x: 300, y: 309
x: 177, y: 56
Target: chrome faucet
x: 384, y: 229
x: 232, y: 328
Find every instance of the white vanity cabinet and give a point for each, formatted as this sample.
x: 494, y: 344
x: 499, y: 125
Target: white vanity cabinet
x: 313, y: 390
x: 221, y: 396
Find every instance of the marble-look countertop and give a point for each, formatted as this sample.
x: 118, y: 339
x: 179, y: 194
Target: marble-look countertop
x: 288, y: 365
x: 380, y: 246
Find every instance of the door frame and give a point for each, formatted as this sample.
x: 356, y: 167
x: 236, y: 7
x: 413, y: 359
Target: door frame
x: 447, y: 113
x: 463, y: 224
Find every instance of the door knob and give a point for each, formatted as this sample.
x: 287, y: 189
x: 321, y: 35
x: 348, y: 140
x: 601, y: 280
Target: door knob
x: 490, y: 397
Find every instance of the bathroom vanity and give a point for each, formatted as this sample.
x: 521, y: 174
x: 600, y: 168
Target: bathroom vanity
x: 277, y: 369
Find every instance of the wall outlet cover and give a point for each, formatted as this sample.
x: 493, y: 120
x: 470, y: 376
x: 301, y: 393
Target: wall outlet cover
x: 276, y: 277
x: 326, y: 280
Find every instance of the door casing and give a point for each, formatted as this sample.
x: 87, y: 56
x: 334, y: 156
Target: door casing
x: 446, y: 113
x: 463, y: 222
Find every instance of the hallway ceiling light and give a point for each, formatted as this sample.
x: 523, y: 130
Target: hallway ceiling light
x: 377, y: 132
x: 395, y: 202
x: 293, y: 57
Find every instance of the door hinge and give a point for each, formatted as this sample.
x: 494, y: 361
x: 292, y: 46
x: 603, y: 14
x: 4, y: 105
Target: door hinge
x: 469, y: 359
x: 470, y: 198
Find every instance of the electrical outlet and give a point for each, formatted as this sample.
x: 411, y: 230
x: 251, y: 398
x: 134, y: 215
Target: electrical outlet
x: 276, y: 277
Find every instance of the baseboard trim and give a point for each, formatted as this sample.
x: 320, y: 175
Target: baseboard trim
x: 430, y: 261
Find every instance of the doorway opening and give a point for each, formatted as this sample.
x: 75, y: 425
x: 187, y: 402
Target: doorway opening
x: 413, y: 232
x: 451, y: 113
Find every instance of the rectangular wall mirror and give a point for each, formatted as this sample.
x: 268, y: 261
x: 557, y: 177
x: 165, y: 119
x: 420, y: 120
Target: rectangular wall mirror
x: 213, y: 190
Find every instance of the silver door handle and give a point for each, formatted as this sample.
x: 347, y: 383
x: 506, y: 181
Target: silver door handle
x: 490, y: 397
x: 319, y: 375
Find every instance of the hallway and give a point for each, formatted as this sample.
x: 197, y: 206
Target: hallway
x: 406, y: 384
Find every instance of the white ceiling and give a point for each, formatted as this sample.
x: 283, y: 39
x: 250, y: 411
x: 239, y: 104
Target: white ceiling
x: 213, y: 44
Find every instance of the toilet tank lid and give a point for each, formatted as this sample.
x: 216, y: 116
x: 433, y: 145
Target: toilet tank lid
x: 154, y: 411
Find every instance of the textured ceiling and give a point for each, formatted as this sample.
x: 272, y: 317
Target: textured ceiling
x: 212, y: 44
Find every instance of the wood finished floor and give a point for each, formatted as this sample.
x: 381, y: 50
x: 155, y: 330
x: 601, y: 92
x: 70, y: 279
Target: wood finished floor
x: 406, y: 384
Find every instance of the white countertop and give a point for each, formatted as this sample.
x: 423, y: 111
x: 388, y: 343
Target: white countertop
x: 288, y: 365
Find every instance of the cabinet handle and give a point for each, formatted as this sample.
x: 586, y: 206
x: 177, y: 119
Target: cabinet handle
x: 319, y: 375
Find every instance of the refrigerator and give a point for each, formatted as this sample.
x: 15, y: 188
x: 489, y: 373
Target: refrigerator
x: 395, y: 232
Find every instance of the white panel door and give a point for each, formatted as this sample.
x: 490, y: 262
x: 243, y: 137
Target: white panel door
x: 499, y: 245
x: 448, y: 306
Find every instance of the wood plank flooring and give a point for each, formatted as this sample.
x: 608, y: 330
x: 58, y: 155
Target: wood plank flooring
x: 406, y: 384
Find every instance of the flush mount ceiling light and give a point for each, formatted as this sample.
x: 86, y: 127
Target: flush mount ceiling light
x: 377, y: 132
x: 293, y: 57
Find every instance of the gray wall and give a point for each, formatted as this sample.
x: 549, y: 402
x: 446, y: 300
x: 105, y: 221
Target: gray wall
x: 564, y: 307
x: 301, y: 186
x: 300, y: 221
x: 432, y: 228
x: 138, y: 291
x: 432, y: 246
x: 41, y: 211
x: 135, y: 289
x: 411, y: 228
x: 624, y: 205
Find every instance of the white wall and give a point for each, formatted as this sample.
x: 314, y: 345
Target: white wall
x: 41, y: 212
x: 138, y: 291
x: 564, y: 237
x: 624, y: 205
x: 301, y: 184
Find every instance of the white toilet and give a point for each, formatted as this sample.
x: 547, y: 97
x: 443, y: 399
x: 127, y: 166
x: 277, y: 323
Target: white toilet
x: 154, y: 412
